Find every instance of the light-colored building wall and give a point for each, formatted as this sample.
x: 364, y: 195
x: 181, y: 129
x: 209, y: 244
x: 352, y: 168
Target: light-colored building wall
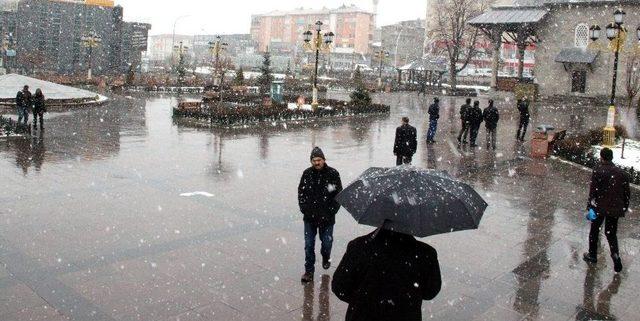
x: 557, y: 32
x: 352, y: 26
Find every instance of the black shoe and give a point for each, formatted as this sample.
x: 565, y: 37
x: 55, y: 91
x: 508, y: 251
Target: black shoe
x: 589, y: 259
x: 307, y: 277
x: 617, y: 265
x: 326, y: 264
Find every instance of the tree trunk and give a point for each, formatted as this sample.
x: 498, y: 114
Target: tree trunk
x: 452, y: 76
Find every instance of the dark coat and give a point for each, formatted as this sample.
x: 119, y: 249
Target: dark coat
x: 23, y: 99
x: 406, y: 143
x: 38, y: 104
x: 464, y: 112
x: 610, y: 192
x: 386, y: 278
x: 491, y: 117
x: 316, y: 195
x: 475, y: 116
x: 523, y: 108
x: 434, y: 112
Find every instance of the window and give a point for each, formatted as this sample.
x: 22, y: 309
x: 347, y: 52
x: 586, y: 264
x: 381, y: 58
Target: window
x: 582, y: 36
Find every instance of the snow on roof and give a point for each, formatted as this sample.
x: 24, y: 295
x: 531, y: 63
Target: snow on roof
x: 309, y: 11
x: 12, y: 83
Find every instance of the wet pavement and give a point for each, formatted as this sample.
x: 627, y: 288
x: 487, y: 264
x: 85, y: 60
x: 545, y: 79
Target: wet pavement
x: 96, y: 221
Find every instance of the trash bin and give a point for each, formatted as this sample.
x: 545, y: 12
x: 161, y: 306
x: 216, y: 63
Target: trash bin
x: 541, y: 144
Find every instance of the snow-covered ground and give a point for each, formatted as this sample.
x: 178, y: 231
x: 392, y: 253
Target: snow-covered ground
x: 294, y: 106
x: 631, y: 154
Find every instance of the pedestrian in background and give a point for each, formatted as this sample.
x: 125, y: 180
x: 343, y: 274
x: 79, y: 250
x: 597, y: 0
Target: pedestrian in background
x: 39, y: 109
x: 385, y: 276
x: 318, y: 187
x: 406, y: 143
x: 609, y: 197
x: 466, y: 125
x: 23, y: 104
x: 475, y: 120
x: 434, y: 115
x: 523, y: 108
x: 491, y: 117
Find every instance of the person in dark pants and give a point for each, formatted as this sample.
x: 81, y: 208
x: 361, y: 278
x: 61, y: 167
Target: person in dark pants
x: 23, y: 104
x: 434, y: 115
x: 406, y: 143
x: 609, y: 197
x: 319, y: 186
x: 475, y: 120
x: 523, y: 108
x: 466, y: 125
x: 385, y: 276
x: 39, y: 109
x: 491, y: 117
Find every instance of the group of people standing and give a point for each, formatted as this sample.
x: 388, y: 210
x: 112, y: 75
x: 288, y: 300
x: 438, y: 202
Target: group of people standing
x: 27, y: 103
x: 472, y: 117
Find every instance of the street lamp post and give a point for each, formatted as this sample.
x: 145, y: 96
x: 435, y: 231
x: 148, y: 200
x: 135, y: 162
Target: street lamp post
x: 381, y: 55
x: 91, y: 40
x: 320, y: 42
x: 616, y: 34
x: 216, y: 47
x: 173, y: 37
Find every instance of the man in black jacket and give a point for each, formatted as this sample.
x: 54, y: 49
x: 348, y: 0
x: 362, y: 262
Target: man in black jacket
x: 466, y: 124
x: 406, y: 143
x: 491, y: 117
x: 434, y: 115
x: 475, y: 120
x: 525, y: 116
x: 609, y: 197
x: 319, y: 186
x: 23, y: 104
x: 385, y: 276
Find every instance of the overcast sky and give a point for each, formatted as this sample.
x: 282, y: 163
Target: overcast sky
x: 234, y: 16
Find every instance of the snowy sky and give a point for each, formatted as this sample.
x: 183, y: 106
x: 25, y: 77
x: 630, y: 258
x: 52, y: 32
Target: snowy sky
x: 209, y: 17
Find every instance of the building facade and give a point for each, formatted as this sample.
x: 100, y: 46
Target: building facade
x: 49, y: 36
x: 566, y: 62
x: 282, y: 31
x: 403, y: 41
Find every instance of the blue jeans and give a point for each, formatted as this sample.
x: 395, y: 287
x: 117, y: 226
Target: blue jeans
x: 23, y: 113
x: 326, y: 237
x: 433, y: 127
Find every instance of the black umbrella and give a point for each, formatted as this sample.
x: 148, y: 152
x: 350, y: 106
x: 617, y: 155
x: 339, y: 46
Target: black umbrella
x: 413, y: 201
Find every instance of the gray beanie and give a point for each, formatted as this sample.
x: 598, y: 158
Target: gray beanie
x: 317, y: 152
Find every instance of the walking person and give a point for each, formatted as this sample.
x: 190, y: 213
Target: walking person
x: 525, y: 115
x: 39, y: 109
x: 609, y: 197
x: 434, y: 115
x: 318, y: 188
x: 385, y: 276
x: 23, y: 104
x: 475, y: 120
x: 466, y: 125
x: 491, y: 117
x: 406, y: 143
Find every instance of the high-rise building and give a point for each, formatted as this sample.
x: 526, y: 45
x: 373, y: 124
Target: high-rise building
x: 281, y: 31
x: 50, y: 34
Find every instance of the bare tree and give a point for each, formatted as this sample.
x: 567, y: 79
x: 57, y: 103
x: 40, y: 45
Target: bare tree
x: 452, y: 31
x: 632, y: 82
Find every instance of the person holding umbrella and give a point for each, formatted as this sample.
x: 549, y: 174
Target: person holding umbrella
x: 317, y: 190
x: 386, y: 275
x: 406, y: 142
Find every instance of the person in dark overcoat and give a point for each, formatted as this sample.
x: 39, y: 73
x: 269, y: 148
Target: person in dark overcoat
x: 385, y: 276
x: 491, y: 116
x: 525, y: 116
x: 609, y: 196
x: 39, y: 108
x: 464, y: 119
x: 475, y: 120
x: 406, y: 143
x: 319, y: 185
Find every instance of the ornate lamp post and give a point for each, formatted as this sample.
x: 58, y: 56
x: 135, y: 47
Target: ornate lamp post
x: 320, y: 42
x: 216, y: 47
x: 381, y: 55
x: 181, y: 50
x: 91, y: 40
x: 616, y: 33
